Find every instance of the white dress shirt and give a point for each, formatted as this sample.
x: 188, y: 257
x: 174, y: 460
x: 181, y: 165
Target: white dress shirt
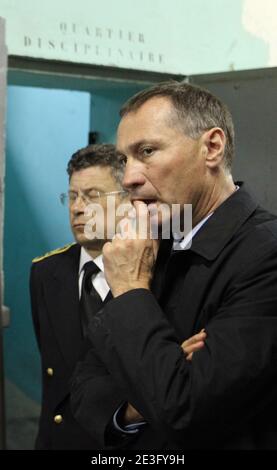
x: 185, y: 242
x: 98, y: 280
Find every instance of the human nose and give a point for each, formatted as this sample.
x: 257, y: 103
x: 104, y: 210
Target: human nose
x: 133, y: 176
x: 79, y: 204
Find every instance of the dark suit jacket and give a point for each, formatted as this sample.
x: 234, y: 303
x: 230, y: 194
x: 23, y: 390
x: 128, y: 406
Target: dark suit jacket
x: 227, y: 396
x: 55, y: 304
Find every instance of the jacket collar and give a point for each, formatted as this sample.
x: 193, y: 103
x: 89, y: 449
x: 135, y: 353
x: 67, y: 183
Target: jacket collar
x: 69, y: 264
x: 224, y: 223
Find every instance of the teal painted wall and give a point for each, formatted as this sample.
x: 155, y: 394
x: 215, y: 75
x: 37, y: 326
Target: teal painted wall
x: 105, y: 106
x: 44, y: 127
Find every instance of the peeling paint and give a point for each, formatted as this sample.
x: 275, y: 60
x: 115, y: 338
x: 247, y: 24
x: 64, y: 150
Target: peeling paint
x: 259, y: 17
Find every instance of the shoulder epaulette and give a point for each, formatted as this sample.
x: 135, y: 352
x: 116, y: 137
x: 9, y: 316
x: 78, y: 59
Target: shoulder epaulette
x: 53, y: 252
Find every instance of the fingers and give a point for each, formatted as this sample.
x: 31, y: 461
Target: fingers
x: 194, y: 339
x: 196, y: 347
x: 193, y: 347
x: 193, y: 344
x: 155, y: 244
x: 143, y: 219
x: 145, y: 232
x: 137, y: 223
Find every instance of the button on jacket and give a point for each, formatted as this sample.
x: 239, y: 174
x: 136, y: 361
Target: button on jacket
x: 55, y: 310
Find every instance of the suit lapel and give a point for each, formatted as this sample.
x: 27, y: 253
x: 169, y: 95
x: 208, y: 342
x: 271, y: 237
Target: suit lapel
x: 157, y: 284
x: 206, y: 246
x: 108, y: 297
x: 62, y: 300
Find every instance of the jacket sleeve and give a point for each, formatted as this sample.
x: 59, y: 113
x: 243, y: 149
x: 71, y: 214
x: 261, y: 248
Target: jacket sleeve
x: 229, y: 381
x: 95, y: 397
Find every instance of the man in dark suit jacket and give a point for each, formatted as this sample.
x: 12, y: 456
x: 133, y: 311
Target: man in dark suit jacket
x: 177, y: 141
x: 56, y: 279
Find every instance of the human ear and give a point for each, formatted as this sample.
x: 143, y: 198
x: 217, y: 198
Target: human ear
x: 214, y: 142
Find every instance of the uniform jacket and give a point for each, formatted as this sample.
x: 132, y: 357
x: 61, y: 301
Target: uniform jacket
x: 226, y: 397
x: 55, y: 310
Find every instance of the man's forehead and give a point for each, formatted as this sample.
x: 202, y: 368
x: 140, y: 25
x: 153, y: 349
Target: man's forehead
x: 157, y: 104
x: 91, y: 174
x: 148, y: 123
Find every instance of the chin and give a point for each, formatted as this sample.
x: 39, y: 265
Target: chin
x: 79, y: 237
x: 82, y: 239
x: 96, y: 244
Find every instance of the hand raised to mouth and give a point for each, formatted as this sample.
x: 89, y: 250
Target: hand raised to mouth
x: 129, y: 262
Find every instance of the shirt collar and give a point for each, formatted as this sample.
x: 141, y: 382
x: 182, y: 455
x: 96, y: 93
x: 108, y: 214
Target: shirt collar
x: 85, y: 257
x: 185, y: 242
x: 227, y: 219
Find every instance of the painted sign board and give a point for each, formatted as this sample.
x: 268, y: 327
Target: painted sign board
x: 169, y: 36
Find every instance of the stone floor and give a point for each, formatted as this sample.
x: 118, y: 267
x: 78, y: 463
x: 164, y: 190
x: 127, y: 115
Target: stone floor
x: 21, y: 417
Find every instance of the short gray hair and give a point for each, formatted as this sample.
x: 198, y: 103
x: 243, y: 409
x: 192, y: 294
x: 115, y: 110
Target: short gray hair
x: 197, y: 110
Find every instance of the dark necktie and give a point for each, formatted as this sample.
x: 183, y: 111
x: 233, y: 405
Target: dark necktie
x: 90, y: 301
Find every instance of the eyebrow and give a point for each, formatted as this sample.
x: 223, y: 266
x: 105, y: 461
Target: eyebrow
x: 87, y: 190
x: 134, y: 147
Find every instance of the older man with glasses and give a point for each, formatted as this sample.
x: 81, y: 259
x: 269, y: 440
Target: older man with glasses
x: 68, y: 285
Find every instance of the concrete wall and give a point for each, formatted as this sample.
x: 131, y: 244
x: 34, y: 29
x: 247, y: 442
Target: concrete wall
x: 252, y: 99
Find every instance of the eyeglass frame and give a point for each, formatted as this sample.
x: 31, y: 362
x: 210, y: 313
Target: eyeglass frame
x: 65, y: 197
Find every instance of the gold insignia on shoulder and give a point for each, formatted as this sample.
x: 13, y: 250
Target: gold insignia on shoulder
x: 53, y: 252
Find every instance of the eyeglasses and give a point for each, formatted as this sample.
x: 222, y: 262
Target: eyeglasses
x: 92, y: 195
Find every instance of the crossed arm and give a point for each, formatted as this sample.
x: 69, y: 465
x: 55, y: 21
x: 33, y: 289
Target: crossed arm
x: 189, y: 346
x: 227, y: 383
